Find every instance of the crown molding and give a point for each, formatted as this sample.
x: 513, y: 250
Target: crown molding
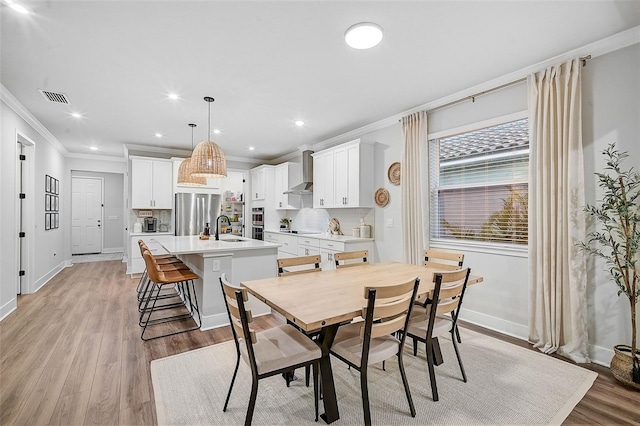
x: 12, y: 102
x: 96, y: 157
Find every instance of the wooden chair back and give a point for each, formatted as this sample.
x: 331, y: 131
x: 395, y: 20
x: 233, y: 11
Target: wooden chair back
x: 388, y: 310
x: 296, y: 263
x: 351, y: 258
x: 239, y: 317
x: 443, y: 260
x: 448, y: 293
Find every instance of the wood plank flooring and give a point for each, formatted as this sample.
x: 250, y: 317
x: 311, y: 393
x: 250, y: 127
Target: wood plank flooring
x: 71, y: 354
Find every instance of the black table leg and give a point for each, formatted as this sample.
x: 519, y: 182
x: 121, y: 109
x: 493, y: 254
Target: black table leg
x: 330, y: 401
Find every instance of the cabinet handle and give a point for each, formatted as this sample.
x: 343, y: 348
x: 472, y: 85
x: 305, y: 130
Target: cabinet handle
x: 256, y: 195
x: 330, y: 256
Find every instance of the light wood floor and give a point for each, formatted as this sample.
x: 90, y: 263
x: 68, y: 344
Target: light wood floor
x: 71, y: 354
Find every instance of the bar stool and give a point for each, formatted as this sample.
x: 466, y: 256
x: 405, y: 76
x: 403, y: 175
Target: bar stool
x: 180, y: 281
x: 165, y: 262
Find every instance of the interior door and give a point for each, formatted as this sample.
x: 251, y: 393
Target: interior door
x: 86, y: 215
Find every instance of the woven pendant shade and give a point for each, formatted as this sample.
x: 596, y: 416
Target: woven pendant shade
x: 184, y: 172
x: 208, y: 159
x: 186, y: 178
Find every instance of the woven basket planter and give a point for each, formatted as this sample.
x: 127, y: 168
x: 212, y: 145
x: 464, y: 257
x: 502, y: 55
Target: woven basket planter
x: 622, y: 365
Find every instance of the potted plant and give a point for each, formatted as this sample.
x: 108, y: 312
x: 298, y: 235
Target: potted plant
x: 617, y: 242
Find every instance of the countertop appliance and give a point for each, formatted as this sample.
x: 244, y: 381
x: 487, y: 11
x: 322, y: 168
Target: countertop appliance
x: 194, y: 211
x: 150, y: 224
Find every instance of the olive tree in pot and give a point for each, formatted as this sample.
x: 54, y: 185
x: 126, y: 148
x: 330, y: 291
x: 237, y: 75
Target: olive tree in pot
x: 617, y: 243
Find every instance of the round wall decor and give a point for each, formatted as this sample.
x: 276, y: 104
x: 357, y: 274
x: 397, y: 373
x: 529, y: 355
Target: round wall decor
x: 382, y: 197
x: 394, y: 173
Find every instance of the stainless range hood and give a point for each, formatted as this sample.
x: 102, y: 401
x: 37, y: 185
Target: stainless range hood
x: 306, y: 187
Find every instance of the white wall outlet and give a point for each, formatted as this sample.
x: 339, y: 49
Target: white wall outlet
x: 216, y: 265
x: 389, y: 223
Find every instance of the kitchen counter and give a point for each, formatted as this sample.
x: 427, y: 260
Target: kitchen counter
x: 148, y: 234
x: 192, y: 244
x: 325, y: 236
x: 240, y: 260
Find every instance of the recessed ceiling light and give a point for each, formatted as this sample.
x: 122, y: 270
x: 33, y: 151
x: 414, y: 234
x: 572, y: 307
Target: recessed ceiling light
x: 158, y: 135
x: 93, y: 148
x: 299, y: 123
x: 19, y: 8
x: 172, y: 96
x: 216, y: 131
x: 363, y: 35
x: 252, y: 148
x: 76, y: 115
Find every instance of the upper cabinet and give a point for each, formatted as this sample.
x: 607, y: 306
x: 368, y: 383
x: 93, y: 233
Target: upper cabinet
x: 343, y: 176
x: 286, y: 176
x: 151, y: 183
x: 260, y: 177
x: 323, y: 179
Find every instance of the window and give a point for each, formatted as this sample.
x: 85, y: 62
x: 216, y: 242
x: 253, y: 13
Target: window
x: 479, y: 185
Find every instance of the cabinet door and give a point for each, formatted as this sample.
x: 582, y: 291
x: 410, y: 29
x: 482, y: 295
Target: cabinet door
x: 162, y: 188
x: 281, y: 182
x: 141, y: 184
x: 341, y: 173
x: 257, y: 184
x: 308, y: 251
x: 327, y: 259
x: 323, y: 180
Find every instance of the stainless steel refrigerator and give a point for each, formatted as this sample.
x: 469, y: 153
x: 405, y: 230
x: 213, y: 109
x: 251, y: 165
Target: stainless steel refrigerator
x: 194, y: 211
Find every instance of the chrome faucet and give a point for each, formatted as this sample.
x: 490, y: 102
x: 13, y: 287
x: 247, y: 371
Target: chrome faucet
x: 218, y: 224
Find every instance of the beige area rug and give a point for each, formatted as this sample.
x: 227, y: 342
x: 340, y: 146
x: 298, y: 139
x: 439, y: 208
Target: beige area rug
x: 507, y: 385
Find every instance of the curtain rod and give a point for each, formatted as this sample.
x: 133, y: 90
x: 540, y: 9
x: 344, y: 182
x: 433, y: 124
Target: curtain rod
x: 473, y: 97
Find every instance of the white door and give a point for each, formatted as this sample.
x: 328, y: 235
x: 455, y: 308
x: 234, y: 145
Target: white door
x: 86, y: 215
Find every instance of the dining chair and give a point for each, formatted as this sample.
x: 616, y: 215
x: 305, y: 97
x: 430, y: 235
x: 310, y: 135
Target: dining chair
x: 268, y: 353
x: 445, y: 261
x: 295, y: 265
x: 373, y: 340
x: 425, y: 327
x: 351, y: 258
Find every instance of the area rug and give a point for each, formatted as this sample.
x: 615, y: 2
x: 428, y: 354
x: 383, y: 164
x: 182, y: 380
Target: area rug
x: 506, y: 384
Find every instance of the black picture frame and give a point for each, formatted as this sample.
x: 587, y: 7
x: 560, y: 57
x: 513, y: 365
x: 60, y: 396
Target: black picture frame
x: 56, y: 203
x: 47, y: 221
x: 57, y: 187
x: 47, y: 202
x: 47, y: 183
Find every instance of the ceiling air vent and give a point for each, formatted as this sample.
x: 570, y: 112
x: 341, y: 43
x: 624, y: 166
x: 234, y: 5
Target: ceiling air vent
x: 59, y: 98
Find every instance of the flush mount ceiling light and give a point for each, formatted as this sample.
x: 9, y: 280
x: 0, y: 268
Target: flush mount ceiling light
x: 18, y: 8
x: 172, y: 96
x: 158, y: 135
x: 76, y: 115
x: 184, y: 172
x: 363, y: 35
x: 299, y: 123
x: 208, y: 159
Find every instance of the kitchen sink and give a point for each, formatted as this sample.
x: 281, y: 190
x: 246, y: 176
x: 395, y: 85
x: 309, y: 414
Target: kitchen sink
x: 232, y: 240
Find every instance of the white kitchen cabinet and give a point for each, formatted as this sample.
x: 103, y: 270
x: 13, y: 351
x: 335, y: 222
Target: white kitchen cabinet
x: 288, y: 245
x: 323, y: 176
x: 135, y: 262
x: 286, y: 176
x: 151, y: 183
x: 271, y: 237
x: 329, y: 248
x: 344, y: 176
x: 308, y: 246
x: 259, y: 182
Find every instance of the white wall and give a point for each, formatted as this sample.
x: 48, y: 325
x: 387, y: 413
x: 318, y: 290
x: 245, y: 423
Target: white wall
x: 611, y: 113
x: 47, y: 246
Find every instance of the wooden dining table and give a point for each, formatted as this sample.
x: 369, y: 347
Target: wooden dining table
x: 323, y: 300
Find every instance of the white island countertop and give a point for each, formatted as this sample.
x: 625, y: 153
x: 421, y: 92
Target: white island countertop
x: 324, y: 236
x: 193, y: 245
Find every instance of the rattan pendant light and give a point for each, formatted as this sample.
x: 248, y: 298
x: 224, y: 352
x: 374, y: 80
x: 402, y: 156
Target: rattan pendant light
x: 184, y: 172
x: 208, y: 159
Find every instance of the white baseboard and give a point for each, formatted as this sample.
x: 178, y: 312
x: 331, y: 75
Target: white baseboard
x: 600, y: 355
x: 40, y: 282
x: 221, y: 320
x: 8, y: 307
x: 113, y: 250
x: 500, y: 325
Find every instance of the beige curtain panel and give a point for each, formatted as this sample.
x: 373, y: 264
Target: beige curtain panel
x: 557, y: 278
x: 414, y: 137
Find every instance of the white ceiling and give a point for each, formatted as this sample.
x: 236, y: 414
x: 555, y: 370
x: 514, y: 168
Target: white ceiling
x: 268, y: 64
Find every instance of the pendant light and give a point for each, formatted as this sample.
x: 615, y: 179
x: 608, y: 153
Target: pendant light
x: 184, y: 172
x: 208, y: 159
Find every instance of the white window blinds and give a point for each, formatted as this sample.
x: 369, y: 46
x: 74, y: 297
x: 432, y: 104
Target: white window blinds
x: 479, y: 184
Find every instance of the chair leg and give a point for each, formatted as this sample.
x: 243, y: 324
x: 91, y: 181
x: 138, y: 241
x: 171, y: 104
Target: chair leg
x: 455, y: 346
x: 458, y: 334
x: 365, y: 396
x: 316, y: 386
x: 412, y: 408
x: 432, y: 371
x: 415, y: 346
x: 307, y: 373
x: 233, y: 379
x: 252, y: 402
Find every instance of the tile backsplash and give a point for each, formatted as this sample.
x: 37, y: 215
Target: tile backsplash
x: 308, y: 219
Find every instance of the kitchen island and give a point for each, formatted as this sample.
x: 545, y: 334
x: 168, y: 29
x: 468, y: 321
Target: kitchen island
x: 242, y: 259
